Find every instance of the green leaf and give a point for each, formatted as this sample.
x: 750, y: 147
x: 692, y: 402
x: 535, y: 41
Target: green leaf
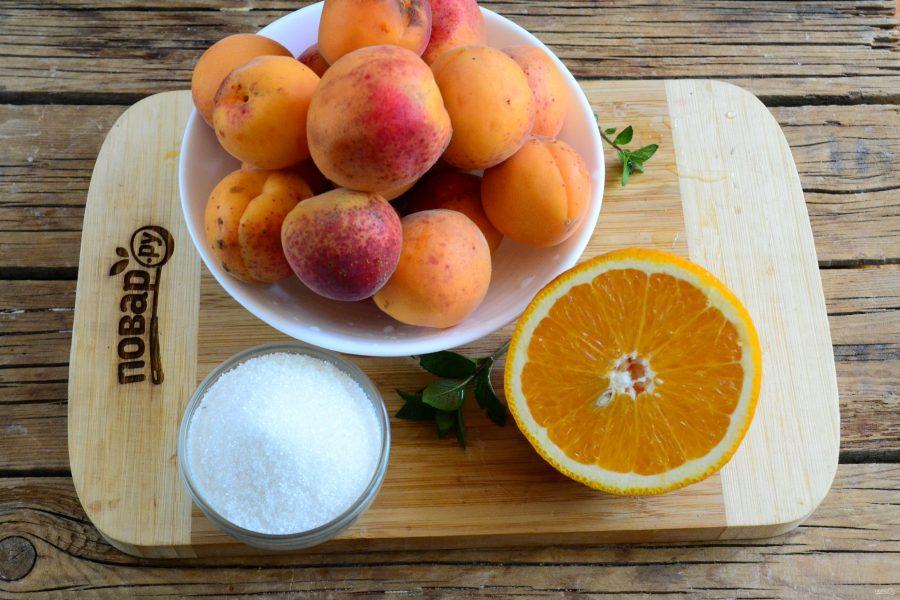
x: 445, y: 394
x: 442, y: 400
x: 644, y: 154
x: 636, y: 166
x: 609, y: 131
x: 414, y: 409
x: 460, y: 428
x: 444, y: 421
x: 624, y: 136
x: 625, y: 157
x: 411, y: 396
x: 487, y: 399
x: 447, y: 364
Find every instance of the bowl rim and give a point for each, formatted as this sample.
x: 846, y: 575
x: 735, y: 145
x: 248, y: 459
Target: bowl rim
x: 450, y: 337
x: 321, y: 533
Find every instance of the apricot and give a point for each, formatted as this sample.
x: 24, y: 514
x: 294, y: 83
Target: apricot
x: 223, y: 57
x: 224, y: 208
x: 306, y: 169
x: 444, y: 270
x: 539, y: 195
x: 243, y: 222
x: 377, y: 121
x: 454, y: 23
x: 312, y: 58
x: 455, y: 191
x: 260, y: 111
x: 259, y: 231
x: 347, y: 25
x: 343, y: 244
x: 548, y: 88
x: 489, y: 102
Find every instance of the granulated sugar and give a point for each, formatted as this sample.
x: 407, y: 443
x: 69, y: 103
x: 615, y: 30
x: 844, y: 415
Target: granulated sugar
x: 283, y: 443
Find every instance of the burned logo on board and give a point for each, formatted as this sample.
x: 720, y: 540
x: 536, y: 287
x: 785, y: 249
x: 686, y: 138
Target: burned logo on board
x: 140, y: 267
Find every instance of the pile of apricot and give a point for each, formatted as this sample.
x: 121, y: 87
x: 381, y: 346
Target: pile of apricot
x: 399, y: 104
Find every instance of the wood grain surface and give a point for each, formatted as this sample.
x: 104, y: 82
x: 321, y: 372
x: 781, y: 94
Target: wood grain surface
x: 847, y: 549
x: 828, y: 71
x: 135, y: 227
x: 122, y: 437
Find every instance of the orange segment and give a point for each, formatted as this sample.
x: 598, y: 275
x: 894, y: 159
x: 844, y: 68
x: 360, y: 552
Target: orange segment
x: 635, y: 372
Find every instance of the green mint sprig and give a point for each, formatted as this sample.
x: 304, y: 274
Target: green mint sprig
x: 442, y: 400
x: 632, y: 160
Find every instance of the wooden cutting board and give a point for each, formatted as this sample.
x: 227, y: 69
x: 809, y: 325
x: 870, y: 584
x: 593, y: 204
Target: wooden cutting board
x: 722, y: 190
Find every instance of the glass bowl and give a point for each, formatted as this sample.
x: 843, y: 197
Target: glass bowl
x: 300, y: 539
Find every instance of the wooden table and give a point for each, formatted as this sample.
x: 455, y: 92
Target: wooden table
x: 828, y: 70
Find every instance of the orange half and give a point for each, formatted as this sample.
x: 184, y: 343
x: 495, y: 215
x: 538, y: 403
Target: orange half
x: 636, y: 372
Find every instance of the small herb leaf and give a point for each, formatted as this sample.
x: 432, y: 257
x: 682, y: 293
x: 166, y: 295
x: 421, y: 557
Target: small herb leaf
x: 632, y: 160
x: 444, y: 421
x: 460, y: 428
x: 445, y: 394
x: 644, y: 154
x: 447, y: 364
x: 411, y: 396
x: 442, y: 401
x: 415, y: 411
x: 625, y: 157
x: 487, y: 399
x: 624, y: 136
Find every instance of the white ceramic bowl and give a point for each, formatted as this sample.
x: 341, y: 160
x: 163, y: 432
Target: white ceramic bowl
x: 519, y: 272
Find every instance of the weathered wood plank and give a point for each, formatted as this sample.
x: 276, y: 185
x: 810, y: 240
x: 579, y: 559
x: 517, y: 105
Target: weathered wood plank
x: 27, y: 307
x: 36, y: 317
x: 847, y: 549
x: 843, y: 150
x: 42, y: 383
x: 845, y: 156
x: 35, y: 439
x: 864, y: 316
x: 788, y: 52
x: 847, y: 164
x: 48, y: 156
x: 24, y: 249
x: 855, y: 228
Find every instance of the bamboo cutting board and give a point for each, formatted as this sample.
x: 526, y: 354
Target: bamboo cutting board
x: 722, y: 190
